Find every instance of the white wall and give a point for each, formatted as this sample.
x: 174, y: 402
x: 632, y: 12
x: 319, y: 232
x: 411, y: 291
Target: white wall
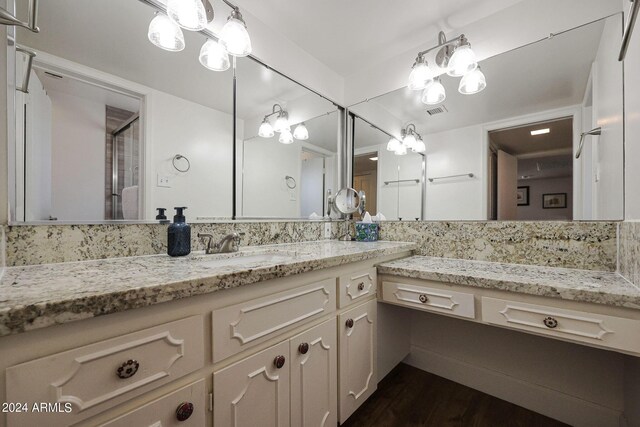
x: 204, y: 136
x: 311, y: 187
x: 607, y: 102
x: 458, y: 151
x: 538, y: 187
x: 77, y: 158
x: 632, y: 122
x: 399, y: 200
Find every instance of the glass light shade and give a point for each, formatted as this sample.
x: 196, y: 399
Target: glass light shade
x: 235, y: 38
x: 419, y: 146
x: 462, y: 61
x: 266, y: 130
x: 434, y: 93
x: 165, y: 34
x: 409, y: 141
x: 401, y: 151
x: 472, y: 82
x: 301, y: 132
x: 393, y: 144
x: 282, y: 123
x: 286, y: 137
x: 214, y: 56
x: 420, y: 76
x: 189, y: 14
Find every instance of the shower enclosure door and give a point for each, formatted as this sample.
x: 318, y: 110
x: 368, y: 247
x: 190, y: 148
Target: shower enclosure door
x: 124, y: 161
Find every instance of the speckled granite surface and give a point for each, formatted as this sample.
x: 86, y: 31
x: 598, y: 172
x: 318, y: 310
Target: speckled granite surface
x: 629, y: 255
x: 583, y: 245
x: 599, y: 287
x: 45, y: 244
x: 37, y: 296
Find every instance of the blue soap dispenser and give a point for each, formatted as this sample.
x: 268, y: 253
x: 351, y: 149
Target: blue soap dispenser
x: 179, y: 235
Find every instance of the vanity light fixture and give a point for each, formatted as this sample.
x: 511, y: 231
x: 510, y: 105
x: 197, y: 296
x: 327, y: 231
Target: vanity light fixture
x: 282, y: 126
x: 540, y: 131
x: 266, y: 130
x: 234, y: 36
x: 214, y: 56
x: 165, y: 33
x: 286, y: 137
x: 456, y: 57
x: 189, y: 14
x: 393, y: 145
x: 282, y: 122
x: 411, y: 140
x: 301, y: 132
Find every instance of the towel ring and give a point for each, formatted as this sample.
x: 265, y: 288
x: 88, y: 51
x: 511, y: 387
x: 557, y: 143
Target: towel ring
x: 180, y: 157
x: 289, y: 180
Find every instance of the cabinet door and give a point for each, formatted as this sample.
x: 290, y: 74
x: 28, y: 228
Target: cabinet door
x: 358, y: 374
x: 314, y: 377
x: 254, y: 391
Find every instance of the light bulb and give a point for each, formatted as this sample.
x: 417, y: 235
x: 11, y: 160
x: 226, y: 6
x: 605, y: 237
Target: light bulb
x: 419, y: 147
x: 409, y: 141
x: 286, y: 137
x: 420, y: 75
x: 393, y: 144
x: 234, y: 36
x: 434, y: 93
x: 189, y: 14
x: 401, y: 151
x: 462, y: 61
x: 214, y: 56
x: 472, y: 82
x: 165, y: 34
x: 282, y: 122
x: 266, y: 131
x: 301, y: 132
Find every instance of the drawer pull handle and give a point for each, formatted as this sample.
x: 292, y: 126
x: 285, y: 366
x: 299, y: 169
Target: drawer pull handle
x: 423, y: 298
x: 279, y: 361
x: 349, y: 323
x: 128, y: 369
x: 361, y: 286
x: 550, y: 322
x: 303, y: 348
x: 184, y: 411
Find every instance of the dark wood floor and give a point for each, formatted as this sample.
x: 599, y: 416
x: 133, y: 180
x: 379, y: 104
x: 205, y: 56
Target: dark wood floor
x: 411, y: 397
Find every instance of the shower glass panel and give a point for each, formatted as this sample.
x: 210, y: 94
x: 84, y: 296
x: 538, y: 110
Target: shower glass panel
x: 125, y: 171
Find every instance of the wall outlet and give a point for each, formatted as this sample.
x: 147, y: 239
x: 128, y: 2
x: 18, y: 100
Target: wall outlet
x: 163, y: 181
x: 327, y: 230
x: 292, y: 196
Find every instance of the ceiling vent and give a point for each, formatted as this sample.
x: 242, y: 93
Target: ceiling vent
x: 438, y: 110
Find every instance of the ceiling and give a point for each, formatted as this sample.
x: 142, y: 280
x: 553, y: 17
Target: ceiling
x: 349, y: 35
x: 519, y: 142
x: 546, y: 75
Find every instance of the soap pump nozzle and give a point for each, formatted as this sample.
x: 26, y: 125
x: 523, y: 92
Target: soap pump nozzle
x: 179, y: 216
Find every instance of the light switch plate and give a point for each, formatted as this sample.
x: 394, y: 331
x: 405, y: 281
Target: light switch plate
x: 163, y: 181
x: 327, y: 230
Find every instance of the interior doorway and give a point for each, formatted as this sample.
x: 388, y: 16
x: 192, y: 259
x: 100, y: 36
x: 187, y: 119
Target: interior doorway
x: 365, y: 178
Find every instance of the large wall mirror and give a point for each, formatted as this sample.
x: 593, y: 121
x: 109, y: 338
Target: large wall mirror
x: 286, y: 146
x: 114, y: 127
x: 511, y: 151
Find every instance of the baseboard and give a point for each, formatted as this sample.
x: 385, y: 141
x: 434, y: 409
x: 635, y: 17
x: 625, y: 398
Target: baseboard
x: 552, y: 403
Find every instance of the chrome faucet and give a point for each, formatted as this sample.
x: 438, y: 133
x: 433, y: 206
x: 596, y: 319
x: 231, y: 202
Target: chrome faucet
x: 229, y: 243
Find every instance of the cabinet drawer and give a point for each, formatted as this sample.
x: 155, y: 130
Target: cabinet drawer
x: 430, y: 299
x: 165, y: 412
x: 98, y: 376
x: 597, y: 329
x: 246, y: 324
x: 356, y: 286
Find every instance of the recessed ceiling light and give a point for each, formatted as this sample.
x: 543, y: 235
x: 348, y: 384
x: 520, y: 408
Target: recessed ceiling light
x: 374, y: 159
x: 540, y: 131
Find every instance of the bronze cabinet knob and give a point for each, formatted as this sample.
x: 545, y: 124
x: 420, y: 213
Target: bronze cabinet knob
x: 184, y: 411
x: 550, y: 322
x: 127, y: 369
x: 278, y: 362
x: 349, y: 323
x: 361, y: 286
x: 423, y: 298
x: 303, y: 348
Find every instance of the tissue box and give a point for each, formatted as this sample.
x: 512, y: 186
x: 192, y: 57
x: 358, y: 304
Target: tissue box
x: 367, y: 232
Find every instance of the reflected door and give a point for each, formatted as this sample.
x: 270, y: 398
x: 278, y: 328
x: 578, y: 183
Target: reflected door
x: 122, y: 190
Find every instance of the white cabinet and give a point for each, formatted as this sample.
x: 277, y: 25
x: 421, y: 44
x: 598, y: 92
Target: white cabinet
x: 425, y: 298
x: 356, y: 286
x: 254, y: 391
x: 358, y: 370
x: 314, y: 377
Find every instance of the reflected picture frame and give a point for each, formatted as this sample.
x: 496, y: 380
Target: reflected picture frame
x: 522, y: 196
x: 554, y: 201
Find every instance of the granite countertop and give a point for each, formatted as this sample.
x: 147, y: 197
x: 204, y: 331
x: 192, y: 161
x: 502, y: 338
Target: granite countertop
x: 598, y: 287
x: 37, y: 296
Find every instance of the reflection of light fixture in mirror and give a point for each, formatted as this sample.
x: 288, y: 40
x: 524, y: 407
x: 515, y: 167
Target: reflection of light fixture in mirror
x: 420, y: 74
x: 266, y: 130
x: 434, y: 93
x: 189, y: 14
x: 411, y: 140
x: 301, y: 132
x: 282, y: 122
x: 214, y: 56
x: 393, y: 144
x: 472, y: 82
x: 540, y: 131
x: 401, y: 151
x: 234, y: 35
x: 286, y: 137
x: 165, y: 34
x: 463, y: 60
x: 419, y: 146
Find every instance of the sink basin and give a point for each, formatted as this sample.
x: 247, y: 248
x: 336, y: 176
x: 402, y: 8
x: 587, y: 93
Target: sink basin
x: 250, y: 259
